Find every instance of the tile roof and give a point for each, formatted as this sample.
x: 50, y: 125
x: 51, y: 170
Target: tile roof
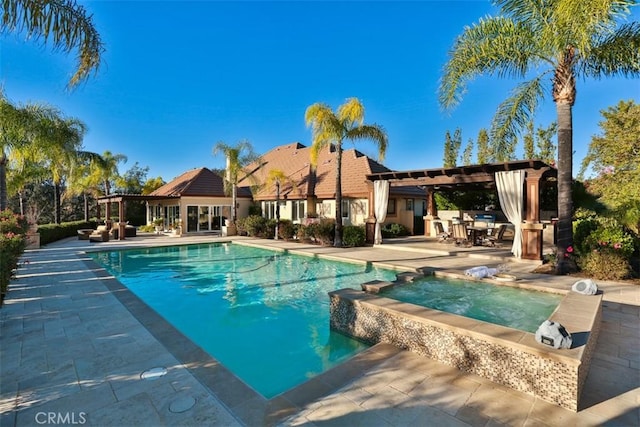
x: 197, y: 182
x: 294, y: 160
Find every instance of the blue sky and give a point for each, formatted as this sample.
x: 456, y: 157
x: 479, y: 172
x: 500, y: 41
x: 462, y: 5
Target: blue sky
x: 180, y: 76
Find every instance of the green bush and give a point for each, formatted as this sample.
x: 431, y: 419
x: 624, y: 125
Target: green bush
x: 255, y: 209
x: 269, y: 229
x: 53, y: 232
x: 286, y: 229
x: 325, y: 231
x: 353, y: 235
x: 609, y: 233
x: 582, y: 228
x: 255, y: 226
x: 394, y: 230
x: 606, y: 264
x: 13, y: 229
x: 322, y: 231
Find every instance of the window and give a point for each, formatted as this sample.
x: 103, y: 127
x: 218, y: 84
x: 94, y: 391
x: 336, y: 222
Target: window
x: 409, y: 205
x: 269, y: 209
x: 391, y: 207
x: 345, y: 208
x: 298, y: 209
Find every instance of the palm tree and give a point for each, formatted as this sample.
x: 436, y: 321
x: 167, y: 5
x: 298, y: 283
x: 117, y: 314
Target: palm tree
x: 278, y: 178
x: 64, y: 22
x: 63, y: 153
x: 24, y: 133
x: 238, y: 157
x: 330, y: 129
x: 552, y: 43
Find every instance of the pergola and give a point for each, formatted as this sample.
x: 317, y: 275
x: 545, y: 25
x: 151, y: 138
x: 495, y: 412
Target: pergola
x: 476, y: 177
x: 121, y: 200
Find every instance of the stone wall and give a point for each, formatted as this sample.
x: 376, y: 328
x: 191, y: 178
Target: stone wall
x: 503, y: 355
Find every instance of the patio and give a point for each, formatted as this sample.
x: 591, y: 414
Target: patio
x: 74, y: 343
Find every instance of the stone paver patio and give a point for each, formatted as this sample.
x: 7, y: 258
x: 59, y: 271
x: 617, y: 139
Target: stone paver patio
x: 72, y: 353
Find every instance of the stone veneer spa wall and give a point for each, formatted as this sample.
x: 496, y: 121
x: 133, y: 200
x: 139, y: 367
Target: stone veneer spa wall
x: 503, y: 355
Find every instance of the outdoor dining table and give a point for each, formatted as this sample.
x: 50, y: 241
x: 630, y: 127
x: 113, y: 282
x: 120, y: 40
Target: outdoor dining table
x: 477, y: 234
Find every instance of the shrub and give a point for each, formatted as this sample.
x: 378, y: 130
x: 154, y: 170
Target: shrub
x: 255, y: 209
x: 394, y: 230
x: 353, y: 235
x: 255, y: 226
x: 241, y: 228
x: 13, y: 229
x: 325, y: 231
x: 609, y: 233
x: 606, y: 264
x: 286, y: 229
x: 53, y: 232
x: 269, y: 229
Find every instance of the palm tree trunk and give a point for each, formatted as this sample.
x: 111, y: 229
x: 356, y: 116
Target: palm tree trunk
x: 56, y: 202
x: 565, y: 181
x: 277, y: 209
x: 337, y: 242
x: 234, y: 198
x: 3, y: 181
x: 86, y: 207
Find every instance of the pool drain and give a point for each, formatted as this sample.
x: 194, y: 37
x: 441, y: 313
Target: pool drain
x: 182, y: 404
x: 153, y: 373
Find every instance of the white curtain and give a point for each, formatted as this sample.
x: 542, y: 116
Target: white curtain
x: 511, y: 194
x: 381, y: 198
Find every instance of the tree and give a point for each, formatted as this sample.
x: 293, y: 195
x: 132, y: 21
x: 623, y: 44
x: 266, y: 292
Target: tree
x: 238, y: 157
x: 484, y: 154
x: 614, y: 157
x: 467, y: 152
x: 331, y: 129
x: 63, y: 152
x: 566, y: 39
x: 17, y: 128
x: 278, y: 178
x: 152, y: 184
x: 538, y: 143
x: 452, y: 148
x: 64, y: 22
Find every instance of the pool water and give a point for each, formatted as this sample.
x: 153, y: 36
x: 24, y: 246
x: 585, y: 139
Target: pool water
x: 262, y: 314
x: 503, y: 305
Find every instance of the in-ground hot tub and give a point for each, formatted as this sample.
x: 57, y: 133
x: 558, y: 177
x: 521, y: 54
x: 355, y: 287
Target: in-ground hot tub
x: 504, y: 355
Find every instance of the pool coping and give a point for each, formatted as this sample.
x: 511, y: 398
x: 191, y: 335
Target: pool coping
x: 242, y: 401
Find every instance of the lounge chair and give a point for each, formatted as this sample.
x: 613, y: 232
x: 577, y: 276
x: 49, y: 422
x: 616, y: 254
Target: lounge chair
x: 101, y: 234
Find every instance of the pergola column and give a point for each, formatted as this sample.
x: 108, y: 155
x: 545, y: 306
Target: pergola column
x: 432, y: 211
x: 370, y: 223
x: 532, y: 228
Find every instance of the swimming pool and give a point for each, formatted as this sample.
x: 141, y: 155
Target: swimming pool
x: 503, y: 305
x: 263, y: 314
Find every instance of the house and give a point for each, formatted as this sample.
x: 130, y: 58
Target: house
x: 309, y: 192
x: 197, y: 201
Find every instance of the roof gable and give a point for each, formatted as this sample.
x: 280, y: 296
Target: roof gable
x: 294, y: 161
x: 197, y: 182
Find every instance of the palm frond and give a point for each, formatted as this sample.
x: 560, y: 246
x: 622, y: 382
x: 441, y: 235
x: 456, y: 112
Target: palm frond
x: 616, y: 53
x: 65, y: 23
x: 351, y: 113
x: 326, y: 129
x: 375, y: 133
x: 494, y: 46
x: 517, y: 111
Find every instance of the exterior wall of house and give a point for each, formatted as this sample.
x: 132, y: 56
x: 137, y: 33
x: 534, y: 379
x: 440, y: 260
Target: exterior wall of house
x: 156, y: 209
